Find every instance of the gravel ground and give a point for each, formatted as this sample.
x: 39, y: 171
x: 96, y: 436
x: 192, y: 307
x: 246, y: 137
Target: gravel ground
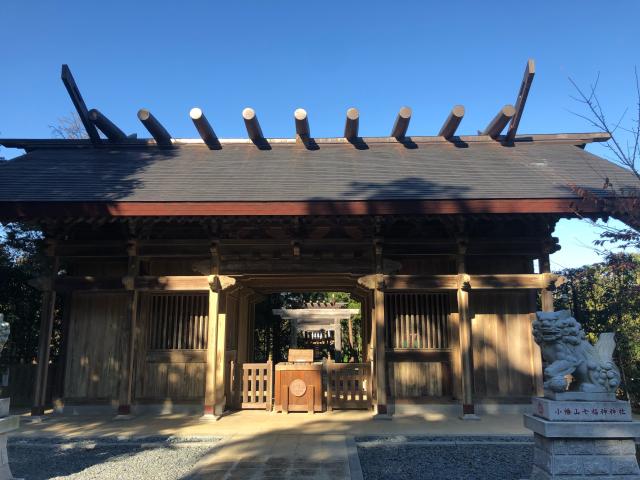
x: 444, y: 458
x: 150, y: 458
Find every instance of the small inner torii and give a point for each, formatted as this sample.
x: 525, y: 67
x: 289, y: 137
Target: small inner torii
x: 318, y: 320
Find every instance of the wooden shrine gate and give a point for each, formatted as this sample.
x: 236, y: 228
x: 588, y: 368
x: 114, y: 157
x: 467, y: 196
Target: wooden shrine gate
x: 345, y: 385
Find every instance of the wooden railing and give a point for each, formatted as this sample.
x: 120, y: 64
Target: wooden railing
x: 348, y: 385
x: 255, y: 385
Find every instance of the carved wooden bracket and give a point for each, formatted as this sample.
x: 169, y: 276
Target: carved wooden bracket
x: 372, y: 282
x: 551, y: 281
x: 464, y: 282
x: 218, y: 283
x: 129, y: 282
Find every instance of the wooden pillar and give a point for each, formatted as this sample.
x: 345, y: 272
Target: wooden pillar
x: 380, y: 350
x: 58, y: 390
x: 547, y: 306
x: 251, y: 344
x: 221, y: 359
x: 125, y: 396
x: 547, y: 295
x: 215, y: 372
x: 243, y: 327
x: 465, y: 329
x: 337, y: 338
x: 212, y: 347
x: 47, y: 314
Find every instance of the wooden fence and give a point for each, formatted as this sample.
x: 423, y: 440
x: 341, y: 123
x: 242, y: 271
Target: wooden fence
x: 348, y: 385
x: 256, y: 385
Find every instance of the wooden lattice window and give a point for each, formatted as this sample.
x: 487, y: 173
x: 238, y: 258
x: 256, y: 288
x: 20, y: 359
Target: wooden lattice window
x: 417, y: 320
x: 178, y: 321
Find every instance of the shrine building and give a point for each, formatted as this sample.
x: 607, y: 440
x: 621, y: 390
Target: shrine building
x: 161, y: 248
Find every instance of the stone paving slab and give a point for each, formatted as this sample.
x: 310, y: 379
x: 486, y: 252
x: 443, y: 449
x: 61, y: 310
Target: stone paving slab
x: 281, y: 456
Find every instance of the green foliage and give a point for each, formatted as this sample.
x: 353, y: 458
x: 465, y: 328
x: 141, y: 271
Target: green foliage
x: 605, y: 297
x: 273, y: 334
x: 20, y: 261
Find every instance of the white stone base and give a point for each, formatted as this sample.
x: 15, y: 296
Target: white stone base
x: 581, y: 396
x: 572, y: 450
x: 581, y: 411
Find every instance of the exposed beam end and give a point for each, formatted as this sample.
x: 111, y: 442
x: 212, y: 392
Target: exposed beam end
x: 352, y: 124
x: 253, y: 126
x: 401, y: 124
x: 204, y: 128
x: 499, y: 121
x: 155, y: 128
x: 452, y: 122
x: 302, y: 123
x: 106, y: 126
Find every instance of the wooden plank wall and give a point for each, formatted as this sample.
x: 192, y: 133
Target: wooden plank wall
x: 503, y: 344
x: 414, y: 380
x: 417, y: 320
x: 175, y: 374
x: 97, y: 324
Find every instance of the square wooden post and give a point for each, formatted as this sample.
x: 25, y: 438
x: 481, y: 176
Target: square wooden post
x: 47, y: 314
x: 125, y: 396
x: 547, y: 306
x: 212, y: 348
x: 466, y: 340
x: 380, y: 351
x: 221, y: 359
x: 243, y: 327
x: 215, y: 398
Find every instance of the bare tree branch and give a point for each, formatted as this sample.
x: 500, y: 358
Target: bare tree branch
x: 624, y: 205
x: 69, y: 126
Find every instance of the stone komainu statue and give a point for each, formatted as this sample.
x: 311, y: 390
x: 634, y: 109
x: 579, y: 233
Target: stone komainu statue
x: 566, y: 351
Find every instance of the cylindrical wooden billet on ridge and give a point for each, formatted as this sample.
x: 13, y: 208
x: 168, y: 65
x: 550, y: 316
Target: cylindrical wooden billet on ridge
x: 204, y: 128
x: 106, y: 126
x: 499, y: 121
x: 302, y: 123
x: 451, y: 123
x: 352, y: 123
x: 402, y: 123
x: 253, y: 126
x: 155, y: 128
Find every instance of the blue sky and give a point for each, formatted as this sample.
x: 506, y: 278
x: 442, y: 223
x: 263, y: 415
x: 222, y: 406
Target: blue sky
x: 327, y: 56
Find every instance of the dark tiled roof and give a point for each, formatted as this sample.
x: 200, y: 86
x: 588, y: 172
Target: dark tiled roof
x: 289, y: 172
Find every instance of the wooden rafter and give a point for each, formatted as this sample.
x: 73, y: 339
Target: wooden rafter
x: 527, y: 80
x: 78, y: 103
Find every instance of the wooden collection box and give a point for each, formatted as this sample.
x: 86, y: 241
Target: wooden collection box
x: 298, y: 387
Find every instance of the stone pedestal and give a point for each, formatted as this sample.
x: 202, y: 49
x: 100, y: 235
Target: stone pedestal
x: 580, y: 439
x: 7, y: 424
